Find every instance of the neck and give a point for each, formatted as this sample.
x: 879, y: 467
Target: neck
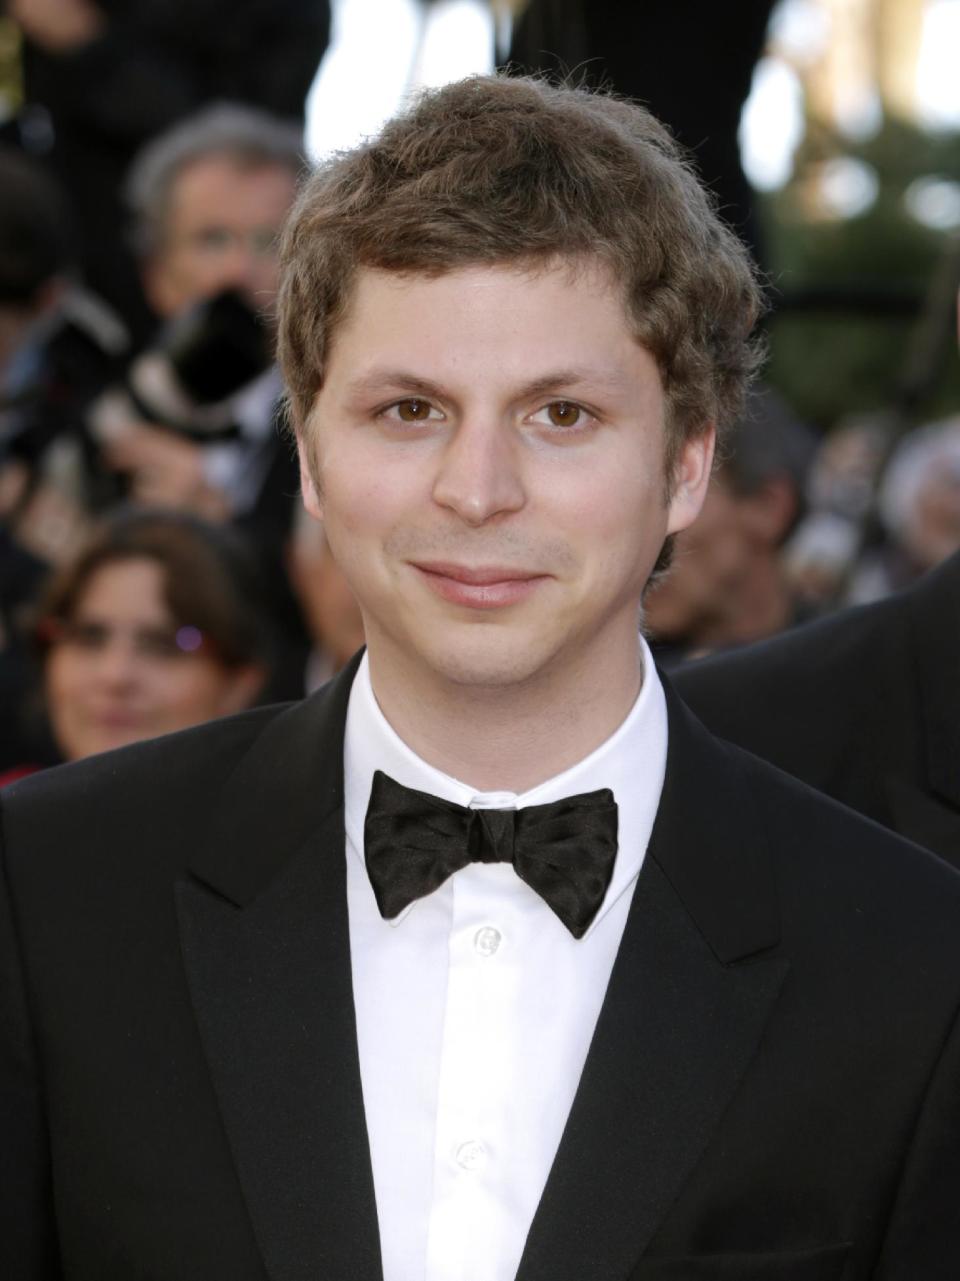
x: 510, y: 737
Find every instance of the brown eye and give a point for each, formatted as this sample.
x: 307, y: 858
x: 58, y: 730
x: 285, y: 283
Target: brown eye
x: 413, y: 411
x: 563, y: 413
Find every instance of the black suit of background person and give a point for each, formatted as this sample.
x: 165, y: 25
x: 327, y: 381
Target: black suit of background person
x: 864, y: 705
x: 690, y: 63
x: 149, y: 64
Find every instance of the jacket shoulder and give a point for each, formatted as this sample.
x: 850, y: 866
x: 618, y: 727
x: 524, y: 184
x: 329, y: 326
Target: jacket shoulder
x: 845, y: 651
x: 838, y: 860
x: 807, y: 698
x: 835, y: 646
x: 161, y: 785
x: 209, y: 748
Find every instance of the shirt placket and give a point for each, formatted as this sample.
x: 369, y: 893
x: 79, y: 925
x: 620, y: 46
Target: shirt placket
x: 471, y: 1225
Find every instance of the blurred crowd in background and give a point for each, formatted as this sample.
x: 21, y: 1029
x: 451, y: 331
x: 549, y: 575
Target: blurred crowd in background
x: 156, y: 568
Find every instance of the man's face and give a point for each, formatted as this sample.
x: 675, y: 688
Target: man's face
x: 221, y: 233
x: 488, y: 461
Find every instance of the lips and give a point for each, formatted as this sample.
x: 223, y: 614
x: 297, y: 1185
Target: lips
x: 116, y: 719
x: 479, y: 587
x: 479, y: 577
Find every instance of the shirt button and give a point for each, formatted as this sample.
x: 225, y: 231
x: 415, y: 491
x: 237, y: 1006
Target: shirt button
x: 471, y: 1155
x: 487, y: 940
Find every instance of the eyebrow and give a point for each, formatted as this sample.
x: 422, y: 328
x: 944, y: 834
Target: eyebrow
x: 385, y: 380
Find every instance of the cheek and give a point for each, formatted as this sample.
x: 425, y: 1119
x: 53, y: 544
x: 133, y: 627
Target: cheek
x: 615, y: 513
x: 189, y: 692
x: 629, y: 532
x: 267, y: 274
x: 173, y: 282
x: 63, y: 680
x: 362, y: 502
x: 65, y: 686
x: 181, y: 269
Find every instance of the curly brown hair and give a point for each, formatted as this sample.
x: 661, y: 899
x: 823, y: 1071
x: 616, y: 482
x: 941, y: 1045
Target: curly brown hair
x: 501, y: 169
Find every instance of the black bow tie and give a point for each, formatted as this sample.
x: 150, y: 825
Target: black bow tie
x: 565, y: 851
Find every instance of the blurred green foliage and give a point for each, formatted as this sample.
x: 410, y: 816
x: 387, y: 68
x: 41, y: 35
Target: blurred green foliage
x: 11, y: 69
x: 828, y: 361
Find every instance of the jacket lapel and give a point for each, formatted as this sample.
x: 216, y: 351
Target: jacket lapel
x: 935, y: 624
x: 924, y: 818
x: 691, y: 990
x: 265, y: 941
x: 264, y: 913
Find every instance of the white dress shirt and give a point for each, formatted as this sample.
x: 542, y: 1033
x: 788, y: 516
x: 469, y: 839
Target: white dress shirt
x: 475, y: 1007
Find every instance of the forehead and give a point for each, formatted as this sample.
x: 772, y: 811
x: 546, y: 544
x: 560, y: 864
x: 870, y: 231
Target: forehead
x: 226, y: 188
x: 128, y: 589
x: 496, y: 317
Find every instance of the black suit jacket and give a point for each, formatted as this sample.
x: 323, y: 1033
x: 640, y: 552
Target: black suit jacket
x: 772, y: 1091
x: 864, y: 705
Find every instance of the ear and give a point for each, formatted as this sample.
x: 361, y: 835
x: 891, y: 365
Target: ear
x: 309, y: 489
x: 691, y: 476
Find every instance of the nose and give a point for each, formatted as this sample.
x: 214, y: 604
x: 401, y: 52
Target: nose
x: 479, y: 475
x: 117, y: 666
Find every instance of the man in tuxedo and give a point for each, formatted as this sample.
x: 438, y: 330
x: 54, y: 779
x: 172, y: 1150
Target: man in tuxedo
x: 863, y: 705
x: 486, y: 961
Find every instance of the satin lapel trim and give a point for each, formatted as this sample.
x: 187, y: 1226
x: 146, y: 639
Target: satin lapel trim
x: 286, y: 785
x: 272, y: 991
x: 266, y: 947
x: 692, y: 988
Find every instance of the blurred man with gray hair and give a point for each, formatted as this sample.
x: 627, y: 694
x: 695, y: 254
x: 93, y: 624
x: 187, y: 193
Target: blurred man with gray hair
x: 194, y: 427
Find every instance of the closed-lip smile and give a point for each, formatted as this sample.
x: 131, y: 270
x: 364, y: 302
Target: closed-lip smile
x: 480, y: 576
x: 479, y: 586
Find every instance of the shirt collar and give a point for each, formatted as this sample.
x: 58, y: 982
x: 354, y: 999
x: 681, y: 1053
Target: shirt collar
x: 631, y: 762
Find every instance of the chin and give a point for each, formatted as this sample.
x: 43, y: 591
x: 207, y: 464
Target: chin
x: 486, y: 661
x: 109, y: 740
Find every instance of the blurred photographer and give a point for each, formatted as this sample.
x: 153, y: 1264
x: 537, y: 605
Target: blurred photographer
x: 194, y: 425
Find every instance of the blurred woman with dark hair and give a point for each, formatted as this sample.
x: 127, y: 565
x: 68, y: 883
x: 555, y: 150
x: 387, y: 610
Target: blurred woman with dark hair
x: 157, y: 625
